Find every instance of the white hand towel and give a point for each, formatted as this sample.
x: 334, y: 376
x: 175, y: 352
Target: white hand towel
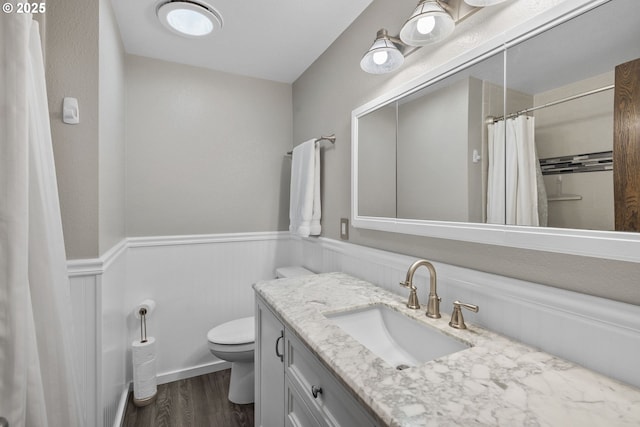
x: 305, y: 190
x: 317, y: 210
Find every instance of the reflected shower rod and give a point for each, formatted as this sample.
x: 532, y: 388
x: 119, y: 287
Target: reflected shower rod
x: 491, y: 120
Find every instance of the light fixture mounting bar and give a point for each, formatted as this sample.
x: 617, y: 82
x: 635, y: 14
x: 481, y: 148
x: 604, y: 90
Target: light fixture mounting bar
x: 458, y: 9
x: 404, y: 49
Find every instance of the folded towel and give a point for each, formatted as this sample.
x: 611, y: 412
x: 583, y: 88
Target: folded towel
x: 317, y: 211
x: 304, y: 208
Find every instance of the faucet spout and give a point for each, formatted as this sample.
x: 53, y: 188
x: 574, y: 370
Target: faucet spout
x: 433, y: 304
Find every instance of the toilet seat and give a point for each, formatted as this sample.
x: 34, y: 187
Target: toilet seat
x: 232, y: 353
x: 235, y: 332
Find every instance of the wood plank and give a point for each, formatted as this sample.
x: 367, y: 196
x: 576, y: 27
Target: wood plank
x: 195, y: 402
x: 626, y: 146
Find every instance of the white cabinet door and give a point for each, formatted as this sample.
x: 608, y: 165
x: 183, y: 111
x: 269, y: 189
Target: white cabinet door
x: 269, y: 368
x: 298, y: 414
x: 305, y: 394
x: 326, y: 398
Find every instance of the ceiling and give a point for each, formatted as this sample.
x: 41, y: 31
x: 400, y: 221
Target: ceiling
x: 576, y: 50
x: 268, y: 39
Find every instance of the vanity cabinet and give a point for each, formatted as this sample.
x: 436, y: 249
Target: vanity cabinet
x: 269, y: 368
x: 298, y: 413
x: 329, y: 401
x: 296, y: 389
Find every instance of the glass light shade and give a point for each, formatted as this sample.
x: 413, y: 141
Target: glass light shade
x: 483, y: 3
x: 188, y: 18
x: 383, y: 56
x: 429, y: 23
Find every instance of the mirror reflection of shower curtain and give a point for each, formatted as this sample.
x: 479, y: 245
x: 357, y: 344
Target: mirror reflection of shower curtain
x: 38, y: 385
x: 515, y: 190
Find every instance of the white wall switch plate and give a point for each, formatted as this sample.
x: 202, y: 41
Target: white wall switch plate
x: 344, y: 228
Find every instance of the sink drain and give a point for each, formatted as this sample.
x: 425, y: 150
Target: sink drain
x: 402, y: 367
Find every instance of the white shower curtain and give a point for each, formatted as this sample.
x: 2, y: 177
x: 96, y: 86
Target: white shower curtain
x: 37, y: 378
x: 515, y: 190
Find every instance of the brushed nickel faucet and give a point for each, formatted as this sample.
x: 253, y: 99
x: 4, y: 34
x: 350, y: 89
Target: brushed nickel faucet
x: 433, y: 305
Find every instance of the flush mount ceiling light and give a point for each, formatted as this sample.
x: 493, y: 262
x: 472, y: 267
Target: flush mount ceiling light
x: 383, y: 56
x: 189, y: 18
x: 429, y: 23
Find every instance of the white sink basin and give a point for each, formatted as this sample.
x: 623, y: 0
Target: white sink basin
x: 399, y: 340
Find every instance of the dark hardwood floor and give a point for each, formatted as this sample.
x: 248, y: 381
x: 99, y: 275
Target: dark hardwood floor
x: 194, y: 402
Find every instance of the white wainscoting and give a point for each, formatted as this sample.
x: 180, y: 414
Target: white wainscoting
x: 97, y: 286
x: 201, y: 281
x: 114, y: 341
x: 600, y: 334
x: 84, y: 290
x: 197, y: 283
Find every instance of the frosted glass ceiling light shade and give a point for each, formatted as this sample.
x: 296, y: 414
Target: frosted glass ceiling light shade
x: 383, y: 56
x: 189, y: 19
x: 429, y: 23
x: 483, y: 3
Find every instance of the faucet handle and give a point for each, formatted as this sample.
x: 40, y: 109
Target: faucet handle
x: 407, y: 285
x: 457, y: 321
x: 412, y: 303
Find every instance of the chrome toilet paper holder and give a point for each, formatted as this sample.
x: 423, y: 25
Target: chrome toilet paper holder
x: 143, y: 324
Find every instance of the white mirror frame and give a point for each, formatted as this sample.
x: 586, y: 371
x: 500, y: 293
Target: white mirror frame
x: 615, y: 245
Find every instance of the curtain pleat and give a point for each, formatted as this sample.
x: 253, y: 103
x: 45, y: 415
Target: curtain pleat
x: 38, y: 384
x: 515, y: 191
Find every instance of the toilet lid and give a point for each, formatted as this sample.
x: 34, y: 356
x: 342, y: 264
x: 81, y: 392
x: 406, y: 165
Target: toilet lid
x: 239, y: 331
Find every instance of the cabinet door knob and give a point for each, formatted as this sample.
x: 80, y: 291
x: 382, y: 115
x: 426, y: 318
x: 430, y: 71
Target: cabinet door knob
x: 316, y: 390
x: 280, y: 355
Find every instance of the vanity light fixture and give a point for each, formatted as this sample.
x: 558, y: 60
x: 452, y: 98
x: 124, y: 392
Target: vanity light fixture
x: 431, y: 21
x: 383, y: 56
x: 189, y: 18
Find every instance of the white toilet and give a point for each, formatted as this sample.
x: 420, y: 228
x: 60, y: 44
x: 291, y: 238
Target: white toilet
x: 234, y: 342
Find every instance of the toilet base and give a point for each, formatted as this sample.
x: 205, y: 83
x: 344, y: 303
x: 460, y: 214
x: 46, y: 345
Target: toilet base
x: 241, y: 386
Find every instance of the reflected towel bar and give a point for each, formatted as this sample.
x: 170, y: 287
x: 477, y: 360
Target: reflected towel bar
x: 331, y: 138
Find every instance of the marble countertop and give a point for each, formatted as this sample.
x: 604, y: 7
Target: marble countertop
x: 497, y: 381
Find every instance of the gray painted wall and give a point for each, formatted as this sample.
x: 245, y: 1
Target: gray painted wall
x: 325, y: 95
x: 72, y: 70
x: 85, y: 60
x: 110, y: 131
x: 205, y: 151
x: 433, y: 155
x: 377, y: 160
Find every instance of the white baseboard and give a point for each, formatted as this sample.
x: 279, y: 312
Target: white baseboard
x: 122, y: 406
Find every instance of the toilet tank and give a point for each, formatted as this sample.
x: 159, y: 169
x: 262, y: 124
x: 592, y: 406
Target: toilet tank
x: 284, y: 272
